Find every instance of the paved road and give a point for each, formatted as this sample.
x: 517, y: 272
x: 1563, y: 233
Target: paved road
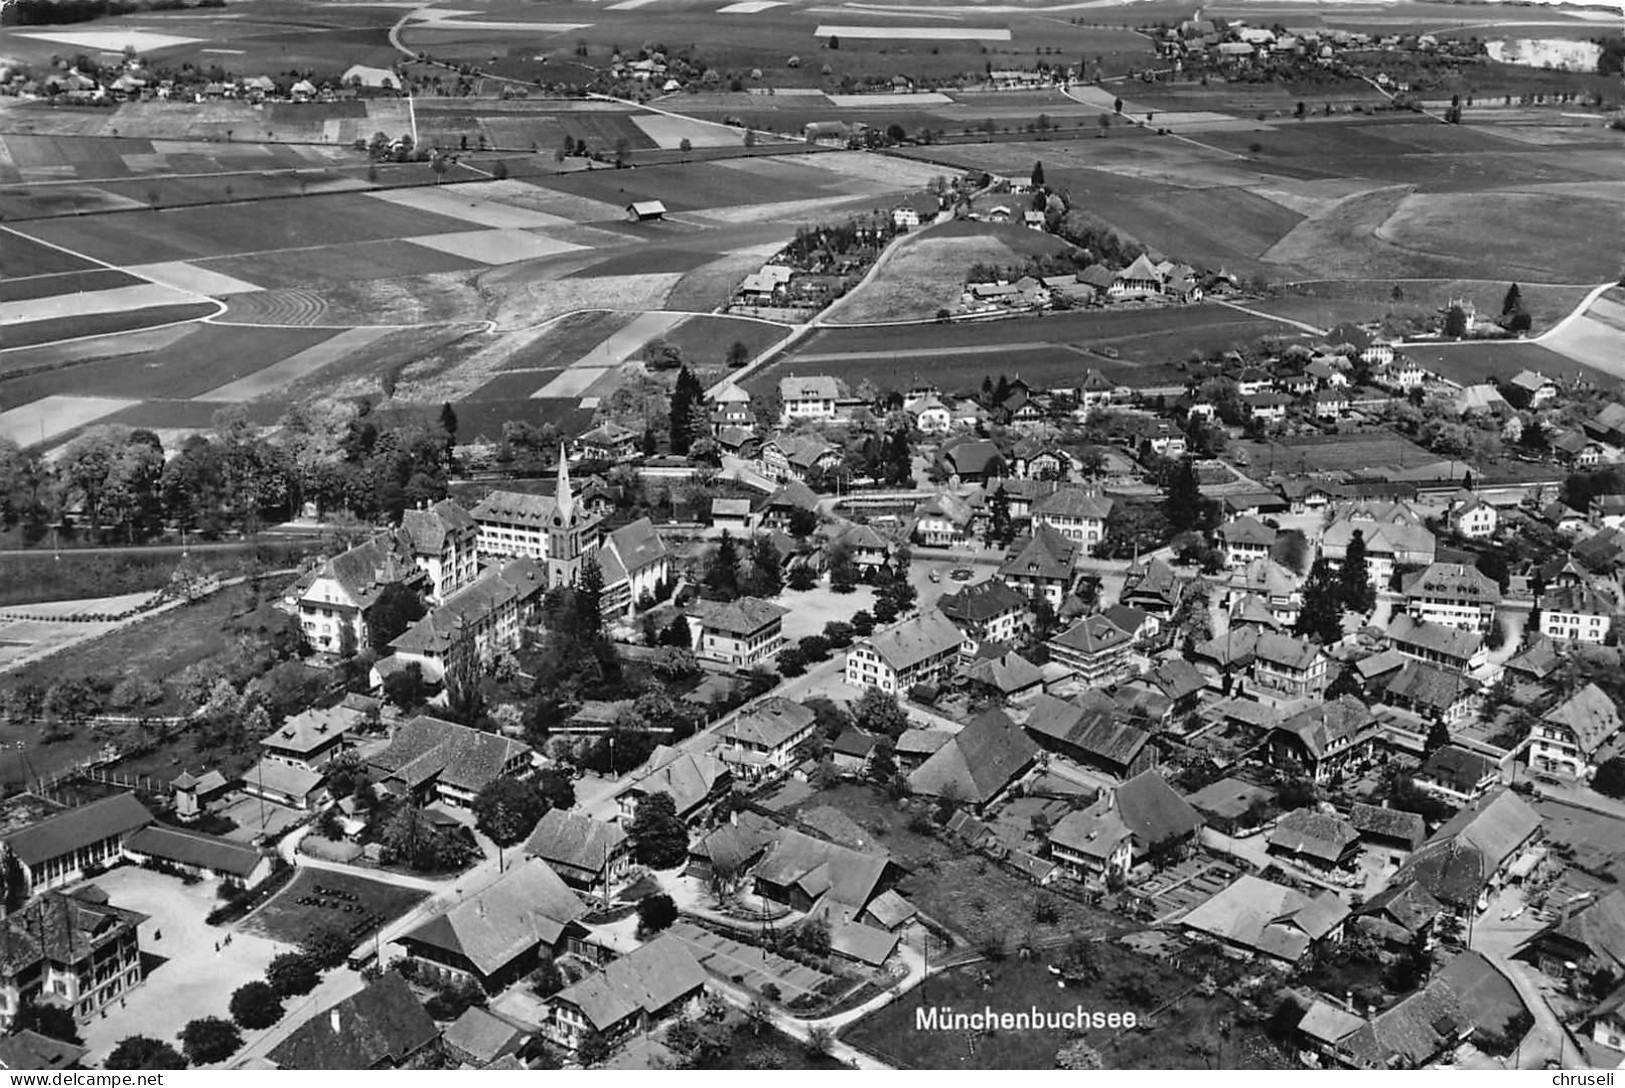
x: 1496, y: 940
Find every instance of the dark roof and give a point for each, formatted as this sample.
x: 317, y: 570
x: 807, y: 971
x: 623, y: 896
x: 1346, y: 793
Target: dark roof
x: 981, y: 602
x: 1457, y: 768
x: 426, y: 747
x: 1423, y: 684
x: 77, y: 828
x: 1600, y: 928
x: 1046, y: 554
x: 982, y: 759
x: 1151, y: 809
x: 426, y: 530
x: 530, y: 906
x: 741, y: 617
x: 1318, y: 834
x: 1091, y: 635
x: 1407, y: 905
x: 380, y: 1027
x: 1590, y: 715
x: 1322, y: 725
x: 574, y: 839
x: 1456, y: 862
x: 648, y: 979
x: 914, y: 640
x: 195, y: 849
x: 1095, y: 729
x: 1390, y: 823
x: 63, y: 929
x: 845, y: 876
x: 30, y: 1050
x: 1420, y: 1028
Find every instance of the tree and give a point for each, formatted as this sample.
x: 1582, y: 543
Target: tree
x: 507, y: 809
x: 1322, y: 614
x: 1438, y: 736
x: 589, y: 603
x: 1038, y: 175
x: 397, y: 608
x: 659, y: 837
x: 722, y: 572
x: 293, y: 974
x: 877, y: 711
x: 820, y: 1041
x: 210, y: 1039
x: 655, y: 913
x: 1078, y: 1054
x: 738, y: 355
x: 141, y: 1052
x: 843, y: 571
x: 556, y: 789
x: 1513, y: 302
x: 1610, y: 778
x: 406, y: 689
x: 1354, y: 577
x: 51, y: 1021
x: 1183, y: 504
x: 684, y: 146
x: 766, y: 575
x: 448, y: 422
x: 686, y: 394
x: 255, y: 1005
x: 1001, y: 529
x: 593, y: 1049
x: 1117, y: 105
x: 1455, y: 322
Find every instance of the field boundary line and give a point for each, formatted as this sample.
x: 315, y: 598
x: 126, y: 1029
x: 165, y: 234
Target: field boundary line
x: 1304, y: 325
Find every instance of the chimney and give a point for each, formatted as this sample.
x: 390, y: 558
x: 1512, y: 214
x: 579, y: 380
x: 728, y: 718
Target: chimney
x: 333, y: 1020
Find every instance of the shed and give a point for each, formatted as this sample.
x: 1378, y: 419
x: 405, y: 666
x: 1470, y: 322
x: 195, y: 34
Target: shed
x: 642, y: 211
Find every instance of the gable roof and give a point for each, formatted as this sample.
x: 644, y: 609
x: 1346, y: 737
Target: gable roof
x: 904, y: 645
x: 980, y: 761
x: 481, y: 1034
x: 464, y: 758
x: 1073, y: 502
x: 635, y: 546
x: 1247, y: 530
x: 527, y: 907
x: 1046, y: 554
x: 981, y: 602
x: 366, y: 569
x: 311, y: 729
x: 1153, y: 811
x: 473, y: 605
x: 1415, y: 1031
x: 195, y: 848
x: 1007, y: 673
x: 1284, y: 650
x: 1600, y: 928
x: 811, y: 387
x: 687, y: 777
x: 1317, y: 834
x: 426, y: 530
x: 77, y: 828
x: 770, y: 723
x: 1456, y: 862
x: 1438, y: 638
x: 574, y: 839
x: 1097, y: 729
x: 1430, y: 686
x: 1267, y: 917
x: 1325, y: 725
x: 1590, y: 715
x: 822, y: 869
x: 645, y: 980
x: 1392, y: 823
x: 743, y: 616
x: 381, y: 1026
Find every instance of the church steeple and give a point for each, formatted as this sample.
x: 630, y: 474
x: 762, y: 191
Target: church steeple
x: 565, y: 499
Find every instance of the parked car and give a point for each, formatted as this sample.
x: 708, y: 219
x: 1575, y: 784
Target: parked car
x: 961, y: 574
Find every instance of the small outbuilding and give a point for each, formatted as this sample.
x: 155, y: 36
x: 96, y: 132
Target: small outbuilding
x: 645, y: 211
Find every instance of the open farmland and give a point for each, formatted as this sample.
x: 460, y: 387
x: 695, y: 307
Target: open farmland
x: 1051, y: 349
x: 927, y: 272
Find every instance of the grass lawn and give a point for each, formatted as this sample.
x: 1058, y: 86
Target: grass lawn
x: 1188, y: 1035
x: 290, y: 921
x: 962, y: 890
x: 759, y: 1046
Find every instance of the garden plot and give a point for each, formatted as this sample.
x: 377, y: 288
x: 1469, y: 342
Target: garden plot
x: 624, y: 343
x: 115, y: 300
x: 48, y: 417
x: 496, y: 246
x: 915, y: 33
x: 278, y: 375
x: 192, y: 279
x: 462, y: 202
x: 670, y: 132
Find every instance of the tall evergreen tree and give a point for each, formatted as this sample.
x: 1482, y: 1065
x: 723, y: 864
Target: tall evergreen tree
x: 687, y: 393
x: 1183, y: 503
x: 1513, y: 302
x: 1000, y: 527
x: 1354, y: 578
x: 1322, y: 614
x: 590, y: 597
x: 899, y: 458
x: 1038, y: 175
x: 766, y: 575
x: 722, y: 575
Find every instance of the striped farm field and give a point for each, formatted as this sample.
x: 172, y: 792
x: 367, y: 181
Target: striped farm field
x: 23, y: 256
x: 63, y: 283
x: 77, y: 325
x: 321, y: 266
x: 217, y: 231
x: 280, y: 375
x: 567, y: 339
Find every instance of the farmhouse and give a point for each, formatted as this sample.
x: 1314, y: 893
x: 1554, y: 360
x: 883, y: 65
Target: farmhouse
x: 1041, y: 566
x: 796, y: 456
x: 382, y: 1027
x: 499, y: 934
x: 58, y: 849
x: 428, y: 758
x: 1313, y: 838
x: 1142, y: 816
x: 1093, y: 733
x: 741, y: 633
x: 694, y: 782
x: 1255, y: 917
x: 1577, y: 735
x: 585, y: 852
x: 979, y: 763
x: 823, y: 879
x: 652, y: 983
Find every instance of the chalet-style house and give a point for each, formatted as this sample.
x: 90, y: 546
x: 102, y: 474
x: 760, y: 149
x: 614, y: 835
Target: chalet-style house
x: 920, y: 650
x: 1289, y: 666
x: 694, y: 781
x: 813, y: 397
x: 653, y: 983
x: 762, y: 740
x: 1042, y: 566
x: 742, y: 633
x: 585, y: 852
x: 989, y: 611
x: 499, y: 934
x: 1143, y: 816
x: 1325, y: 740
x: 429, y: 759
x: 1577, y: 735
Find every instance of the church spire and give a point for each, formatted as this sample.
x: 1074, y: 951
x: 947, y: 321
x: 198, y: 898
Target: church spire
x: 566, y: 501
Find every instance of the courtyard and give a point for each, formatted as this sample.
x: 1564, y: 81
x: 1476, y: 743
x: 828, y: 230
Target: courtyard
x: 188, y: 973
x: 319, y: 898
